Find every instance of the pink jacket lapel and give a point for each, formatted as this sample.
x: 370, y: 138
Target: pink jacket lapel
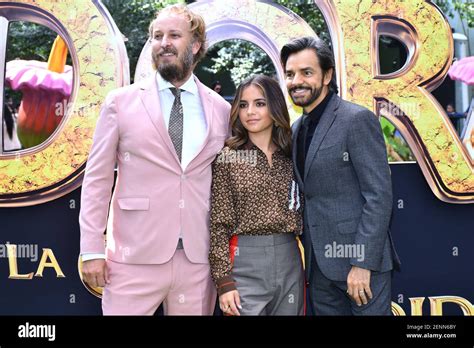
x: 151, y: 102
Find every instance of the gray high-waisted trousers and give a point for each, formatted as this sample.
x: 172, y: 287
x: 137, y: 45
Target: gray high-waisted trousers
x: 269, y: 275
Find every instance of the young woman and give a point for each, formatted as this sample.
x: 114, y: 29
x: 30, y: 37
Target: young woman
x: 256, y: 208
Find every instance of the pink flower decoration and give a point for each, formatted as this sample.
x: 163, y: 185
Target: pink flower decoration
x: 31, y: 74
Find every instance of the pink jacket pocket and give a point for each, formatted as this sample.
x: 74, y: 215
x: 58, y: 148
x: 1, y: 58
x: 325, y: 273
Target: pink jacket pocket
x: 134, y: 203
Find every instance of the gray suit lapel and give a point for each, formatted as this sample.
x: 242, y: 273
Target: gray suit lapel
x: 327, y: 119
x: 296, y: 130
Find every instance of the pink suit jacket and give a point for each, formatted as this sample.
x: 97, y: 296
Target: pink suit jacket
x: 153, y: 198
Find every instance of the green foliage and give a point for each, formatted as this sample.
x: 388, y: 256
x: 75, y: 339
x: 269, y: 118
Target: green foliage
x: 307, y: 10
x: 397, y: 149
x: 465, y: 9
x: 241, y: 59
x: 21, y: 35
x: 133, y: 18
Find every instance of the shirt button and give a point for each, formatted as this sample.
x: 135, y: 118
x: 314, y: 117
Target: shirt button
x: 183, y: 177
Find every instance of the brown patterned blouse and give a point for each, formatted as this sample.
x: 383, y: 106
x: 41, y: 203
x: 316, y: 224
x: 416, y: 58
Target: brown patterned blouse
x: 249, y: 197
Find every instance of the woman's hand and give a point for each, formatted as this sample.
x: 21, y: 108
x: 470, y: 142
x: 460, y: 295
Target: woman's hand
x: 229, y: 302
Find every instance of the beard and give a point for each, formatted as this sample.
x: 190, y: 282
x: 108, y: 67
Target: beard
x: 315, y: 92
x: 306, y: 101
x: 175, y: 71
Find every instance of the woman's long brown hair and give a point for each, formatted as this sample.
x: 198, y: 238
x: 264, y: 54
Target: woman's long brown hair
x: 281, y: 132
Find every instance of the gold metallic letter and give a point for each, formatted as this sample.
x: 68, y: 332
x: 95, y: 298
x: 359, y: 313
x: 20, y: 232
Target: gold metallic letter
x: 436, y: 304
x: 355, y: 26
x: 417, y: 305
x: 397, y: 310
x: 55, y: 168
x: 48, y: 253
x: 13, y: 265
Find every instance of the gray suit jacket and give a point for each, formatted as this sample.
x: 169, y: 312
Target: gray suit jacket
x: 348, y: 192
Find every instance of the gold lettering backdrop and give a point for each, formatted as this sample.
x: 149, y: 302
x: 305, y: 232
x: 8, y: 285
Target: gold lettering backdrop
x: 403, y: 97
x: 55, y: 168
x: 355, y: 27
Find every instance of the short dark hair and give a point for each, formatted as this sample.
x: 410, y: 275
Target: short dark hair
x: 322, y: 50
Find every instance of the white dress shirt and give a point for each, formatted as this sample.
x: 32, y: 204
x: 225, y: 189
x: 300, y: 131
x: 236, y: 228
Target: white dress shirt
x: 194, y: 121
x: 194, y: 124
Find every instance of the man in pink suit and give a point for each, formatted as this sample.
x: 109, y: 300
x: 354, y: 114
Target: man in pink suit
x: 163, y: 133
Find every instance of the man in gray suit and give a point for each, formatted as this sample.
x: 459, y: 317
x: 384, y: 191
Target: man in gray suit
x: 341, y: 167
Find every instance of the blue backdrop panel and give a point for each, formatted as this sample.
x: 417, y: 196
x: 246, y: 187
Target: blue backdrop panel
x: 425, y: 232
x: 51, y: 225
